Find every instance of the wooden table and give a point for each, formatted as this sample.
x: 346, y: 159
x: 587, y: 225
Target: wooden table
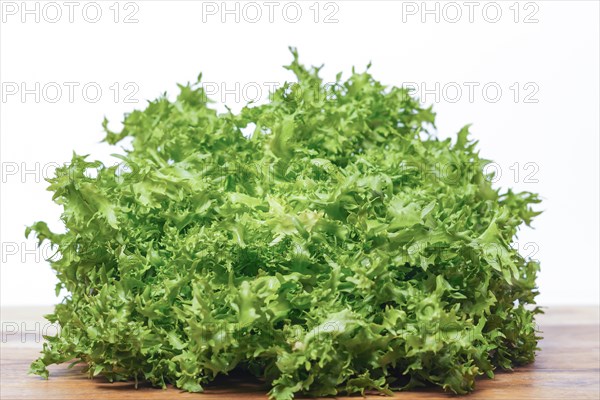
x: 567, y: 367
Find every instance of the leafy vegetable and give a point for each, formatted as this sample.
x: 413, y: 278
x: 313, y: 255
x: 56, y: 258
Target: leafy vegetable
x: 340, y: 248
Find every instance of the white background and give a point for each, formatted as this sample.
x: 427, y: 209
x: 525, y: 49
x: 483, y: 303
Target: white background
x: 557, y: 57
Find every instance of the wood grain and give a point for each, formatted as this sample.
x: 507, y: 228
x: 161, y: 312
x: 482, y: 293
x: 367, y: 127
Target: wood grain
x: 567, y: 367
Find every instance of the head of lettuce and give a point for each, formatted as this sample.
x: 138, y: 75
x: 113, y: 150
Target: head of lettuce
x: 340, y: 247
